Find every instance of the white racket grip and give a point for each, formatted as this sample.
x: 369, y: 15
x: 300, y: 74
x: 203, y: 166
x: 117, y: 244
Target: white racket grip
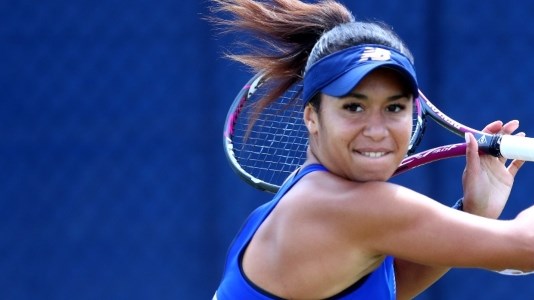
x: 517, y: 147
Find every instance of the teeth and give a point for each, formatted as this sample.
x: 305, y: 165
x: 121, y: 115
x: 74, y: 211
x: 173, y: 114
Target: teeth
x: 373, y: 154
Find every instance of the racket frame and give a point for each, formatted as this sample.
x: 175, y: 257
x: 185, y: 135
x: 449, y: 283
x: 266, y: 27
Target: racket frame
x: 235, y: 109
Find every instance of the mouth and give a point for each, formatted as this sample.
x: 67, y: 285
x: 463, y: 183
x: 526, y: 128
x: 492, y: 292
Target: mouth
x: 372, y: 154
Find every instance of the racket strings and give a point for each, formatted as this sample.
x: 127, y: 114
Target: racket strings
x: 276, y: 144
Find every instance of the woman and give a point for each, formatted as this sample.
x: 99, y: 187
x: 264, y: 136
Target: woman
x: 338, y: 229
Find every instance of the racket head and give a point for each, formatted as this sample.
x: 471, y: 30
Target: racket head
x: 265, y: 153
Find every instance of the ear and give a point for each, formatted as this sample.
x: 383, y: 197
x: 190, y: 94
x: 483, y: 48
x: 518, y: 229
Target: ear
x: 311, y: 119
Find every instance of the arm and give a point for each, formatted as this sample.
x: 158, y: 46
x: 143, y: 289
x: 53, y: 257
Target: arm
x: 428, y: 238
x: 487, y: 184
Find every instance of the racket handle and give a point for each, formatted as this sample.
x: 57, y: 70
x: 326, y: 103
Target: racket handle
x: 517, y: 147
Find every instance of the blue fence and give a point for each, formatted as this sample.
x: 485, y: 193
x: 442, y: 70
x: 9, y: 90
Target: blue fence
x: 114, y: 184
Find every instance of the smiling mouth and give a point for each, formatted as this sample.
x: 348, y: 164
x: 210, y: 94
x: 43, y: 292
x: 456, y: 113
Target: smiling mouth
x: 373, y: 154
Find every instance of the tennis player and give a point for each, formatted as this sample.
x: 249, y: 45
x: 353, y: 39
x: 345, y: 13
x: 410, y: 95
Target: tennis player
x: 338, y: 229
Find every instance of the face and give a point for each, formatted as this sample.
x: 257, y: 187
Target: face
x: 365, y: 135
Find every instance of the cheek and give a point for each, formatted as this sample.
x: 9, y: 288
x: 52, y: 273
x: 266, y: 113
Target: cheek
x: 332, y: 134
x: 337, y: 130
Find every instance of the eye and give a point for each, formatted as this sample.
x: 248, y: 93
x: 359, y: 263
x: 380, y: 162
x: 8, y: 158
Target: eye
x: 396, y: 107
x: 353, y: 107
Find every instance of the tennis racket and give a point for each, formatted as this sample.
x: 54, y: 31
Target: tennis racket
x: 267, y: 152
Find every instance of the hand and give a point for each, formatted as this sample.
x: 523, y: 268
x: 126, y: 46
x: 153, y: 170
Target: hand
x: 487, y: 181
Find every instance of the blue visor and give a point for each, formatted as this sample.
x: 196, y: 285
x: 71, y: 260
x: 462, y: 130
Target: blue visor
x: 337, y: 74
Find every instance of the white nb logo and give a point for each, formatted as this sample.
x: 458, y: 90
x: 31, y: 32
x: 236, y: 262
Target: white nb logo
x: 372, y: 53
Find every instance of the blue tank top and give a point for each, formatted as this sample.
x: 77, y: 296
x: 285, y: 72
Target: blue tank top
x: 378, y: 285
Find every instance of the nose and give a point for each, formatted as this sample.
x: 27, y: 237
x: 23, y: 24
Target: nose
x: 375, y: 127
